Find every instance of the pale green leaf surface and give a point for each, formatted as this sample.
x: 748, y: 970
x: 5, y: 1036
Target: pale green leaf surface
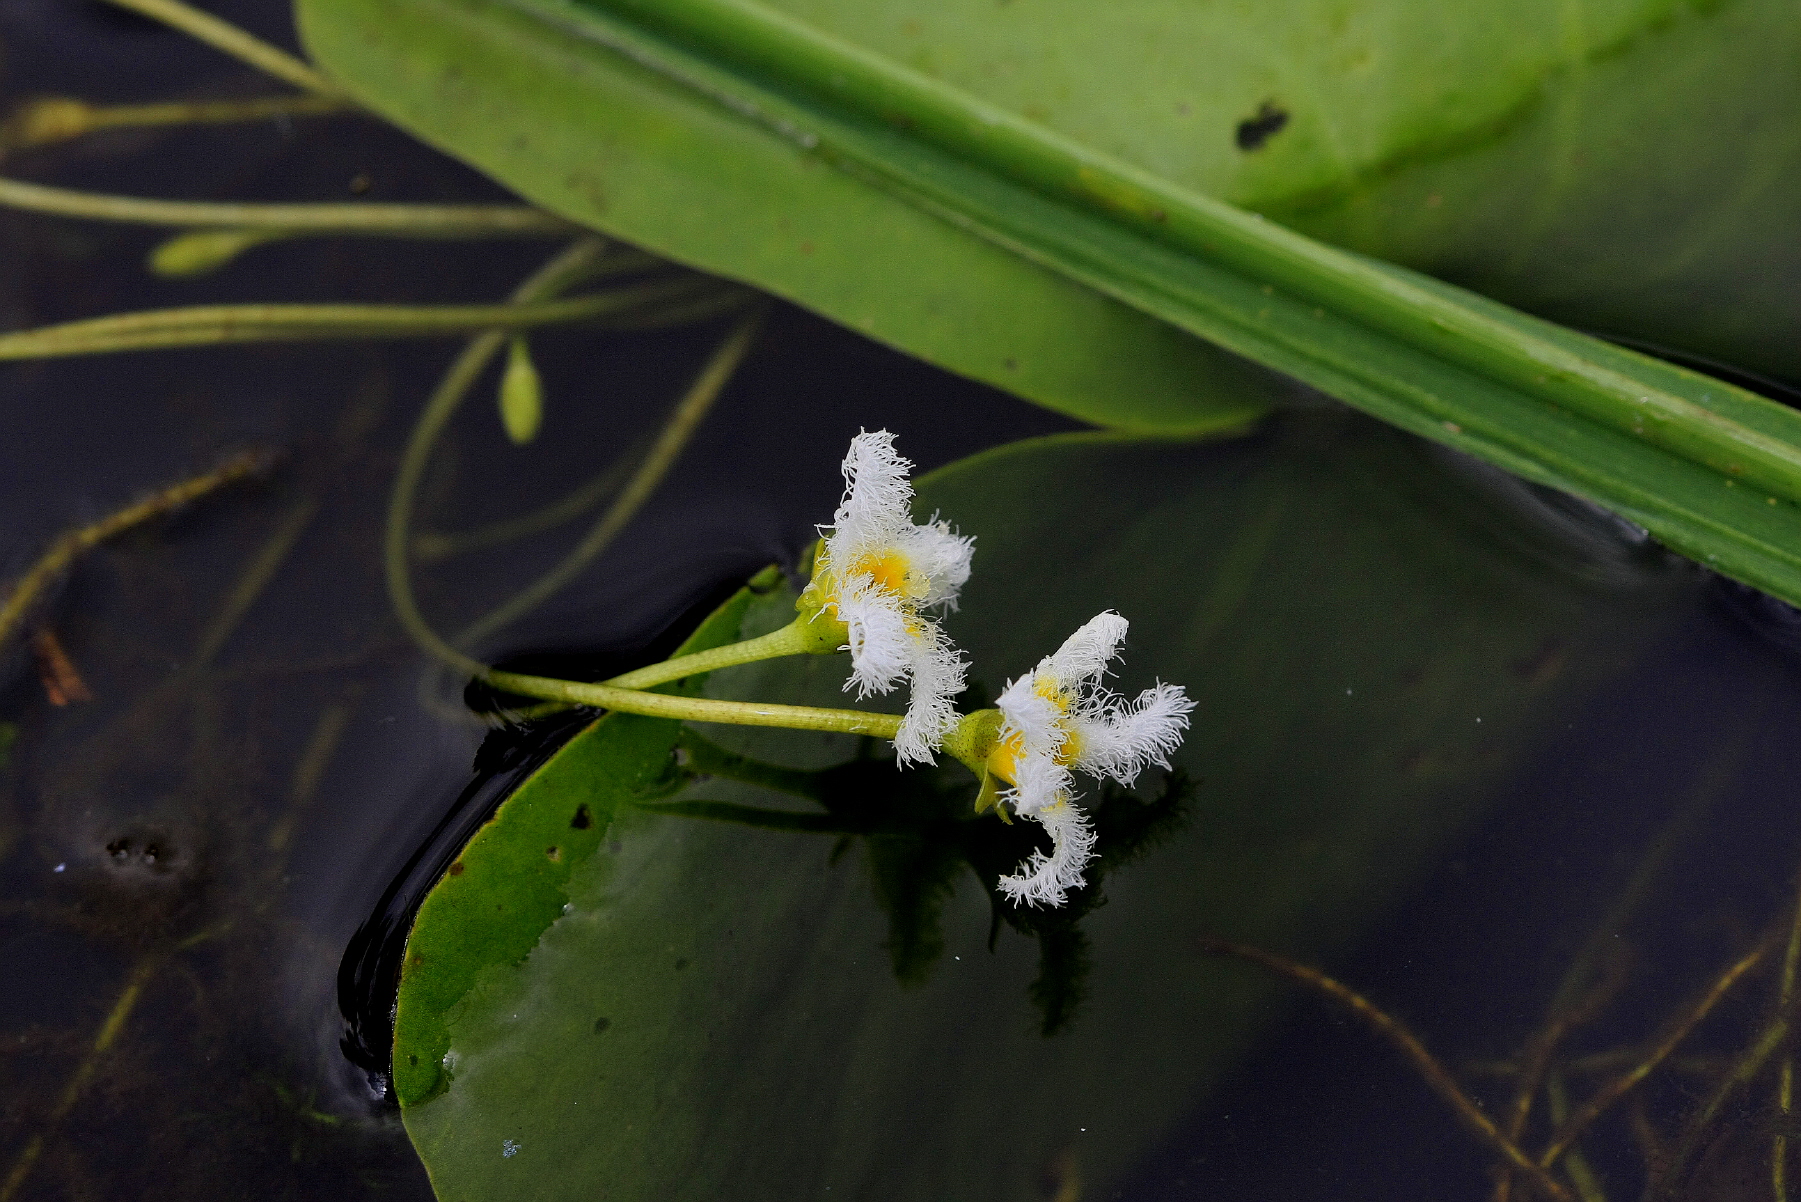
x: 1558, y: 408
x: 590, y: 135
x: 1343, y: 605
x: 1627, y: 165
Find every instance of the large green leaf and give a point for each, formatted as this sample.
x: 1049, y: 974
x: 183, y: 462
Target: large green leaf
x: 644, y: 115
x: 667, y: 972
x: 587, y: 134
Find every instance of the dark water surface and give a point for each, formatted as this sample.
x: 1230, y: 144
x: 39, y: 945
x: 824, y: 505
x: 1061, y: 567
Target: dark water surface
x: 184, y: 858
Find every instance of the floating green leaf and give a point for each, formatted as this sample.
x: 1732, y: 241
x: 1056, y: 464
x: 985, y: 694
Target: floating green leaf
x: 649, y: 117
x: 727, y: 962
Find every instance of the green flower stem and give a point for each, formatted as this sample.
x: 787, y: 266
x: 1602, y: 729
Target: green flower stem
x: 391, y: 220
x: 229, y: 39
x: 1548, y: 365
x: 699, y: 709
x: 972, y: 740
x: 51, y: 119
x: 799, y: 637
x: 212, y: 325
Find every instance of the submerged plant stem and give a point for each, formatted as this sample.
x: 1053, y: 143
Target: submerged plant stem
x: 1620, y: 1086
x: 567, y: 266
x: 214, y: 325
x: 1749, y: 1064
x: 229, y: 39
x: 51, y: 119
x: 684, y: 419
x: 1588, y: 1188
x: 370, y: 218
x: 78, y: 1082
x: 1785, y: 1082
x: 1391, y: 1029
x: 66, y: 549
x: 432, y: 546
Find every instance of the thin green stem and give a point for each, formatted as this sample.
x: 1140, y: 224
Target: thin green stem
x: 570, y: 264
x: 431, y: 546
x: 698, y: 709
x: 50, y: 119
x: 390, y: 220
x: 791, y: 639
x: 229, y: 39
x: 1582, y: 1176
x: 680, y: 426
x: 213, y: 325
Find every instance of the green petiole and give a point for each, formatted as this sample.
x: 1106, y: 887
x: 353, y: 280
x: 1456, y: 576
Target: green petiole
x: 698, y: 709
x: 800, y: 637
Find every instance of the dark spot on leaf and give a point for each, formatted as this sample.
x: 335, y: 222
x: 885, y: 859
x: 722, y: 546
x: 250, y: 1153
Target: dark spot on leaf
x: 583, y: 819
x: 412, y: 1060
x: 601, y: 1024
x: 555, y: 853
x: 456, y: 869
x: 1260, y: 127
x: 681, y: 964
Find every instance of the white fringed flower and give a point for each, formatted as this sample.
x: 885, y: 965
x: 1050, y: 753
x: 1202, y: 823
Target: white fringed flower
x: 882, y: 576
x: 1058, y: 718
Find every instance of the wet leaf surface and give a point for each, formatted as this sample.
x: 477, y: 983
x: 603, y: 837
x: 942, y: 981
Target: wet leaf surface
x: 774, y: 965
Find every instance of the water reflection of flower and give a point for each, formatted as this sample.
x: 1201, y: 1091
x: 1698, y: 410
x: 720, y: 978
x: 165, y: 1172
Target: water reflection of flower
x: 921, y: 836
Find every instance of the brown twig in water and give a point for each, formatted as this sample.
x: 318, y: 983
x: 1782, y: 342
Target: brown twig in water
x: 56, y: 671
x: 1620, y: 1086
x: 72, y: 545
x: 1390, y: 1028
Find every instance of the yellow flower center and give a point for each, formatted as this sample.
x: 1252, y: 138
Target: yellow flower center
x: 1003, y: 761
x: 887, y: 568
